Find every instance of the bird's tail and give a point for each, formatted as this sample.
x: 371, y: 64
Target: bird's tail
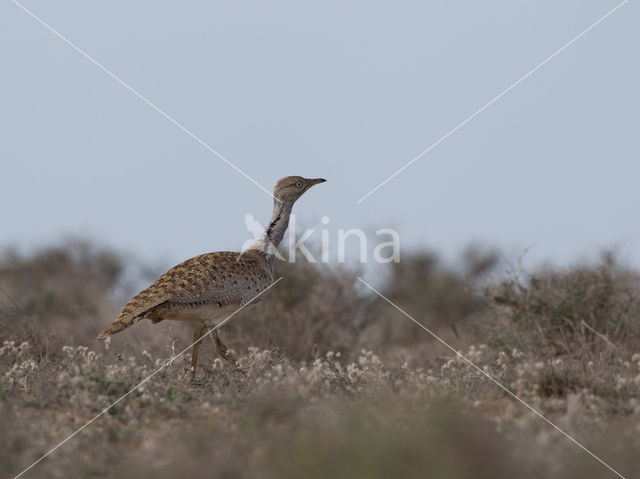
x: 134, y: 311
x: 118, y: 325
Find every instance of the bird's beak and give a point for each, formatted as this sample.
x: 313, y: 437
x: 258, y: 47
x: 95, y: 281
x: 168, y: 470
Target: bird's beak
x: 315, y: 181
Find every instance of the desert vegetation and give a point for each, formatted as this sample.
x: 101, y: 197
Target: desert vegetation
x: 338, y: 382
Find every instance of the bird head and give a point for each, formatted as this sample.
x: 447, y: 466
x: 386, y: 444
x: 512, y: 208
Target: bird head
x: 290, y: 188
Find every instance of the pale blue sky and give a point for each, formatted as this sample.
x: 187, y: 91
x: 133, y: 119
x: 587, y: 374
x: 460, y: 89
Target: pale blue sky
x: 350, y: 91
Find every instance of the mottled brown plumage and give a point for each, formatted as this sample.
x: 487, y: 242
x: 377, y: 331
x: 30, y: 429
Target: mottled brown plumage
x: 221, y: 279
x: 209, y: 287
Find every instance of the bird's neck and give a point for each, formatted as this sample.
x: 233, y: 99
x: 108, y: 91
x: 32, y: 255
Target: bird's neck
x: 275, y: 231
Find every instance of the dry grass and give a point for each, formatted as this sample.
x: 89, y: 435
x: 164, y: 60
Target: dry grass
x: 338, y: 383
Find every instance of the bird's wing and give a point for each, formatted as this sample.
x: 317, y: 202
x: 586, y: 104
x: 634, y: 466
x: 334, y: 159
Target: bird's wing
x: 204, y: 279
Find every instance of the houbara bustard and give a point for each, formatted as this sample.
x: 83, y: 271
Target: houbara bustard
x: 210, y: 287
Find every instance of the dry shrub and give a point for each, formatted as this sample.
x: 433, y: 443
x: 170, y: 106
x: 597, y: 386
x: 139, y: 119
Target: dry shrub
x: 444, y: 298
x: 421, y: 284
x: 583, y: 309
x: 315, y: 308
x: 57, y: 292
x: 61, y: 280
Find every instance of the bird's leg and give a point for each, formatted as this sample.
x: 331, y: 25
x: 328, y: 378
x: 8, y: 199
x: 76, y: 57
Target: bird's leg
x: 201, y: 331
x: 224, y: 353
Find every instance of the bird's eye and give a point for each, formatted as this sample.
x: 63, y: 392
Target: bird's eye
x: 299, y: 184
